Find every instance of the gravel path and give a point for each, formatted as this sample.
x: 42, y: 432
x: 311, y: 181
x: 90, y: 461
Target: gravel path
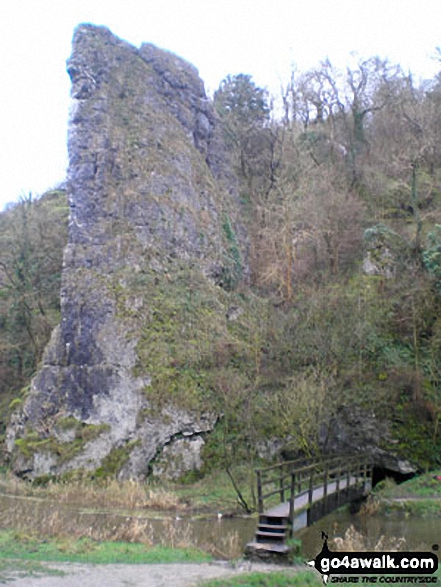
x: 165, y: 575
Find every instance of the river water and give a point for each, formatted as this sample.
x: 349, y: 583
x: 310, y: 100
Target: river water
x: 224, y: 537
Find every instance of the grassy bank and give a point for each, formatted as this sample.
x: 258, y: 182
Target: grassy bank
x: 420, y: 496
x: 19, y: 546
x: 426, y: 485
x: 276, y: 579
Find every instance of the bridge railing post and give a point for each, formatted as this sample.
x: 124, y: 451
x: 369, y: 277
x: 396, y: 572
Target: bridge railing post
x: 325, y: 490
x: 310, y: 496
x: 259, y: 492
x: 367, y: 474
x: 337, y: 484
x: 282, y: 485
x: 291, y: 503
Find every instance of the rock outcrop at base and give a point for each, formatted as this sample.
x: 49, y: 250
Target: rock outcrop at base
x: 154, y: 250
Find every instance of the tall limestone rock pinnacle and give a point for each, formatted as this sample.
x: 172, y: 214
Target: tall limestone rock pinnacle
x: 154, y: 252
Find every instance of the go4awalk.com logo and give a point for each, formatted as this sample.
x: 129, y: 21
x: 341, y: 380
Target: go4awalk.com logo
x: 375, y: 567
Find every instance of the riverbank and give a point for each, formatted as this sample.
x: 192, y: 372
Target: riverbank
x: 21, y: 546
x: 419, y: 496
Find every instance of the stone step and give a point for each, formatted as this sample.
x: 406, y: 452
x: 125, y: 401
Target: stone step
x: 270, y: 537
x: 272, y: 520
x: 273, y: 552
x: 272, y: 528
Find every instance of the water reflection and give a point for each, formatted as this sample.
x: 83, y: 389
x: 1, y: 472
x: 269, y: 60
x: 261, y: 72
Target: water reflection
x: 419, y: 533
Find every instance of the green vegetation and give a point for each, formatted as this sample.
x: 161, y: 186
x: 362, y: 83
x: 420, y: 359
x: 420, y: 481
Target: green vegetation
x: 432, y: 254
x: 32, y: 442
x: 420, y: 496
x: 33, y: 235
x: 273, y: 579
x: 20, y: 546
x: 233, y: 272
x: 113, y: 462
x: 214, y: 492
x: 280, y: 579
x: 426, y: 485
x: 423, y: 508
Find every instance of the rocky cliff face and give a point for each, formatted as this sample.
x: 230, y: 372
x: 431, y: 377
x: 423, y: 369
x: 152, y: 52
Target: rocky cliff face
x: 155, y: 249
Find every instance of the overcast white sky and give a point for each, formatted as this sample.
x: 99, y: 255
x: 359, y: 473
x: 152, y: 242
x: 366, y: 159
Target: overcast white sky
x: 259, y: 37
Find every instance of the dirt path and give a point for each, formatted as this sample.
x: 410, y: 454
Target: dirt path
x: 413, y: 498
x: 165, y: 575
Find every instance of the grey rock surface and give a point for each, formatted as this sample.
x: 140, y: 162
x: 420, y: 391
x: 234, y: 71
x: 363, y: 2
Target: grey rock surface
x: 383, y: 249
x: 364, y: 432
x: 150, y: 190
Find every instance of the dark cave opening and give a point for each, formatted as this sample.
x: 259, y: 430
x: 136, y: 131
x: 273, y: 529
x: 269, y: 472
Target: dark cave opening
x: 380, y: 473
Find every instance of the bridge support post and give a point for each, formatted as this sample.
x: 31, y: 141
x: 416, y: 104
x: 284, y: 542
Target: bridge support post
x: 259, y: 492
x: 337, y: 485
x: 325, y: 491
x: 310, y: 495
x: 365, y: 474
x: 282, y: 486
x: 292, y: 504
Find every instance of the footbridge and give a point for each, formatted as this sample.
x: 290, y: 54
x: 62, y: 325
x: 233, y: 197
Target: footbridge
x: 295, y: 494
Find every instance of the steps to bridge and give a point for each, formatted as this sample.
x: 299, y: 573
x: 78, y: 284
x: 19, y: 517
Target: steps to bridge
x: 271, y: 529
x: 270, y: 541
x: 313, y: 490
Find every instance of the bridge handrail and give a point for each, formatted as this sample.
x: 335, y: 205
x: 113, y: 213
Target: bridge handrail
x: 282, y: 464
x: 355, y: 464
x: 319, y: 465
x: 312, y: 461
x: 311, y: 468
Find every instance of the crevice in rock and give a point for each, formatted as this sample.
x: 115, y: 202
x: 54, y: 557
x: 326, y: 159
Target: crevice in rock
x: 172, y: 439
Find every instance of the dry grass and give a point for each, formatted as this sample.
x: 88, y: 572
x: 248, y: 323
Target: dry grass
x: 83, y: 492
x: 353, y: 541
x: 37, y: 519
x: 228, y: 547
x: 371, y: 506
x: 100, y: 511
